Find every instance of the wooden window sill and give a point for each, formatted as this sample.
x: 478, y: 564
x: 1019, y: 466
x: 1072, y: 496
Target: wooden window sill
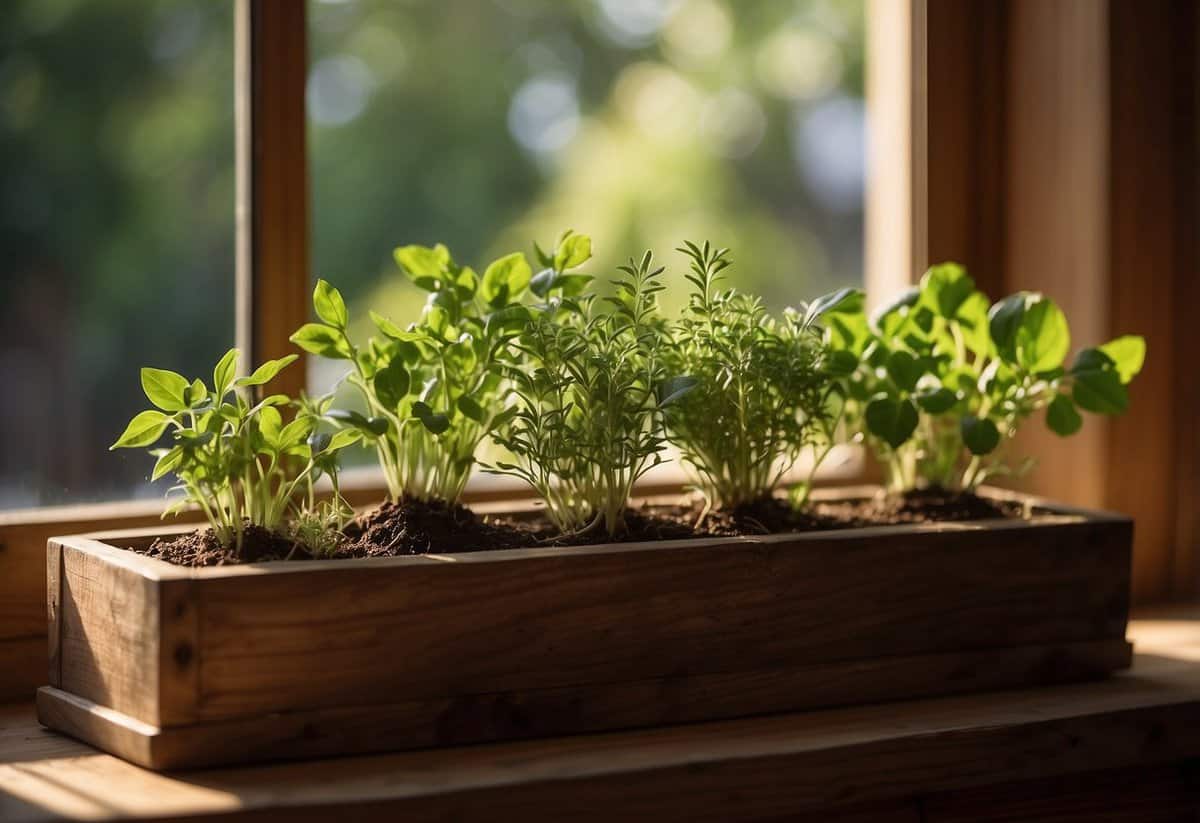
x: 888, y: 757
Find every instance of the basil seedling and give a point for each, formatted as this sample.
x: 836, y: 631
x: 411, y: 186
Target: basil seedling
x: 433, y: 389
x: 941, y: 381
x: 234, y: 456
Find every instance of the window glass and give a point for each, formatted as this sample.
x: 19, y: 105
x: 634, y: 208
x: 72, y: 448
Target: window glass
x: 491, y: 123
x: 116, y: 228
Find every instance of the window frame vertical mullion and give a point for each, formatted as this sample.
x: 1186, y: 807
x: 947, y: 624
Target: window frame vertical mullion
x: 272, y: 283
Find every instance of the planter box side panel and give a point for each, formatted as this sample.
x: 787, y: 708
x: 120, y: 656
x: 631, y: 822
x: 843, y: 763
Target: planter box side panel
x: 317, y: 639
x: 107, y: 633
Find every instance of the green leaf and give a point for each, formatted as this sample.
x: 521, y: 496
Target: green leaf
x: 973, y: 321
x: 904, y: 369
x: 295, y: 432
x: 270, y: 424
x: 195, y: 394
x: 1062, y: 417
x: 980, y: 435
x: 888, y: 319
x: 375, y: 426
x: 1128, y: 354
x: 143, y: 430
x: 424, y: 266
x: 937, y: 401
x: 167, y: 461
x: 891, y: 419
x: 945, y: 287
x: 674, y: 388
x: 1004, y: 319
x: 1092, y: 360
x: 267, y: 371
x: 329, y: 305
x: 1043, y: 337
x: 573, y: 250
x: 326, y: 341
x: 319, y: 441
x: 505, y: 279
x: 343, y: 438
x: 165, y: 389
x: 391, y: 384
x: 1100, y: 391
x: 224, y: 372
x: 842, y: 301
x: 840, y: 363
x: 471, y: 408
x: 435, y: 422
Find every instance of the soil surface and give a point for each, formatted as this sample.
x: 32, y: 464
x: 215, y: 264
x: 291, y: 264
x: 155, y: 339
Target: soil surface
x: 416, y: 527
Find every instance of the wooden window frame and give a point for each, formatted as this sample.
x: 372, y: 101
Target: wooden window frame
x: 963, y: 182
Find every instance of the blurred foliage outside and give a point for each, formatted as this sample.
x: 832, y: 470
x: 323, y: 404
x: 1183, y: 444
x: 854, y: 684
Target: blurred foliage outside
x: 484, y: 124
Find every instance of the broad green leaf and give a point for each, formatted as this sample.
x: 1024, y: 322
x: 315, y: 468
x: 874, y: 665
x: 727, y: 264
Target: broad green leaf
x: 1100, y: 391
x: 1128, y: 354
x: 460, y: 356
x: 945, y: 287
x: 840, y: 363
x: 326, y: 341
x: 424, y: 266
x: 295, y: 432
x: 936, y: 401
x: 1092, y: 360
x: 1043, y: 338
x: 391, y: 384
x: 329, y: 305
x: 904, y: 369
x: 979, y: 435
x: 319, y: 441
x: 892, y: 420
x: 196, y: 393
x: 143, y: 430
x: 375, y: 426
x: 573, y: 250
x: 343, y: 438
x: 674, y: 388
x: 973, y: 323
x: 1004, y: 319
x: 395, y: 332
x: 842, y: 301
x: 848, y: 331
x: 267, y: 371
x: 165, y: 389
x: 224, y: 372
x: 471, y: 408
x: 1062, y: 417
x: 888, y: 319
x: 270, y: 423
x: 167, y: 461
x: 505, y: 279
x: 435, y: 422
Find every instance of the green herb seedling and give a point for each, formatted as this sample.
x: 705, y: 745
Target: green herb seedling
x: 234, y: 456
x: 938, y: 382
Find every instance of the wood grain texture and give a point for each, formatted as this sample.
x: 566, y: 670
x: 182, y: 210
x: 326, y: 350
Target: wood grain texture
x: 776, y: 768
x: 475, y: 718
x: 497, y: 645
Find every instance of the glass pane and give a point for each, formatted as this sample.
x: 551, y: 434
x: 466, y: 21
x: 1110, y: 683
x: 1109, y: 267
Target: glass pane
x: 489, y: 124
x: 116, y: 225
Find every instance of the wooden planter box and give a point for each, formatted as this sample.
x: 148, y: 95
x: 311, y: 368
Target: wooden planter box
x: 173, y: 667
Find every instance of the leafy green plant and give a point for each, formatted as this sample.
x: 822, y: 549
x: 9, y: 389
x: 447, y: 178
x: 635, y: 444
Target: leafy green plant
x: 233, y: 454
x: 433, y: 390
x: 760, y: 393
x: 940, y: 382
x: 590, y: 392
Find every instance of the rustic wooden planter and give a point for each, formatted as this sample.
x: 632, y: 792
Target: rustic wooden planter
x: 172, y: 667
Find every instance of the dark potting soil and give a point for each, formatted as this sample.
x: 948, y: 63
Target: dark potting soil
x: 417, y: 527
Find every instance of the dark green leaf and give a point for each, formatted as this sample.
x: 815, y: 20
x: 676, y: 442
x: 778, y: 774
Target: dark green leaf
x: 840, y: 363
x: 892, y: 420
x: 435, y: 422
x: 471, y: 408
x: 391, y: 384
x: 1004, y: 319
x: 980, y: 435
x: 904, y: 369
x: 1100, y: 391
x: 1062, y: 417
x: 936, y: 401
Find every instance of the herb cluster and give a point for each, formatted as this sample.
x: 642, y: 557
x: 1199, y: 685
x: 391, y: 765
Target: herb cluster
x: 585, y: 389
